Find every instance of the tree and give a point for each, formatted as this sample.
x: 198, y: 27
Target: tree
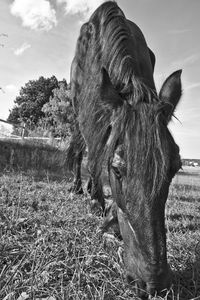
x: 58, y: 111
x: 29, y: 103
x: 14, y: 116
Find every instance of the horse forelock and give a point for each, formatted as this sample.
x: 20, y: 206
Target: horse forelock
x: 144, y: 138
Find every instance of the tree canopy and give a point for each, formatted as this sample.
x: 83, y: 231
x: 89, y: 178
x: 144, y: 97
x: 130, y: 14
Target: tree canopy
x: 44, y: 102
x: 58, y: 111
x: 32, y: 97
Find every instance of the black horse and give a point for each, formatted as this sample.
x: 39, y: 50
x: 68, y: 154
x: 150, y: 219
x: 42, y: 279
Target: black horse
x: 122, y: 121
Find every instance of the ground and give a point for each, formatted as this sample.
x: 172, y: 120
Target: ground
x: 51, y: 248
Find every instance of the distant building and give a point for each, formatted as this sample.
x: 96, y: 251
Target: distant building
x: 193, y: 164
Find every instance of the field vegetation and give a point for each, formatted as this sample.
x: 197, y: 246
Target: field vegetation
x: 51, y: 248
x: 39, y: 156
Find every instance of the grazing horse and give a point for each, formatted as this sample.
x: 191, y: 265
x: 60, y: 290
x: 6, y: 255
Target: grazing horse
x: 123, y: 122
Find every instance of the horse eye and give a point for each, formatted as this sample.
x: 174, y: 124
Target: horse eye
x: 116, y: 172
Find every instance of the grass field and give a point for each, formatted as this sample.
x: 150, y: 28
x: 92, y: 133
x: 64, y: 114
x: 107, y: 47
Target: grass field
x: 26, y: 155
x: 50, y: 247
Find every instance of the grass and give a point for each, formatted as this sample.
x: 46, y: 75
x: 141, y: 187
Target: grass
x: 50, y: 247
x: 183, y: 223
x: 26, y: 155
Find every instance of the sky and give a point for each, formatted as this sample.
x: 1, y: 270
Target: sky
x: 38, y: 38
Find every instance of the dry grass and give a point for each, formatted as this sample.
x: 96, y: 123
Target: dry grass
x: 23, y: 155
x: 183, y: 222
x: 50, y: 247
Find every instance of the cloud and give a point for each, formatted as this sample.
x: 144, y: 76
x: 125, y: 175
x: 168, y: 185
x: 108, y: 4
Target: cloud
x: 21, y: 49
x: 11, y: 87
x: 191, y: 59
x: 35, y: 14
x: 83, y: 7
x: 178, y: 31
x: 186, y: 61
x: 191, y: 86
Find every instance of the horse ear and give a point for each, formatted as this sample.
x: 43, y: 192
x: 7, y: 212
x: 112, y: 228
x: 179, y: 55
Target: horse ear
x: 170, y: 93
x: 108, y: 93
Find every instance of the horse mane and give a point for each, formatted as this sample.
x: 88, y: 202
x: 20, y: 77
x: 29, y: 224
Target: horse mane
x: 106, y: 41
x: 115, y: 46
x: 109, y: 43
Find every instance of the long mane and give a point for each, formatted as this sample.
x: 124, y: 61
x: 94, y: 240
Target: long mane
x: 107, y: 41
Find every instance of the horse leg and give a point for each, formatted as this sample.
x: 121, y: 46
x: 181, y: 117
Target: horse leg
x: 89, y: 185
x: 77, y: 184
x: 110, y: 220
x: 97, y: 192
x: 74, y: 159
x: 95, y: 187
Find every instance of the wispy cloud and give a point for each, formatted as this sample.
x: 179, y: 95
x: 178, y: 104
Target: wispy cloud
x: 37, y: 15
x: 191, y: 86
x: 11, y: 88
x: 83, y: 7
x: 178, y: 31
x: 191, y: 59
x: 186, y: 61
x: 21, y: 49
